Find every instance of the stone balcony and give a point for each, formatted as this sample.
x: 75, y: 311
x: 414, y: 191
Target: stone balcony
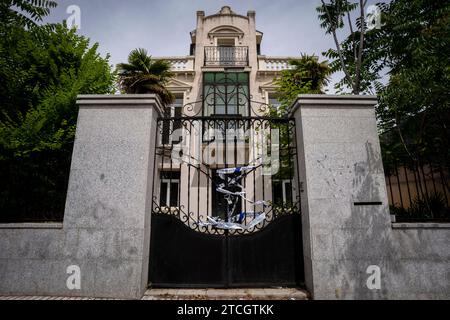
x: 274, y: 64
x: 231, y: 56
x: 234, y: 56
x: 179, y: 64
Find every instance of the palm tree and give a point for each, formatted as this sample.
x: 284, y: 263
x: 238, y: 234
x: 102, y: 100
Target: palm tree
x: 308, y: 76
x: 309, y: 69
x: 143, y: 75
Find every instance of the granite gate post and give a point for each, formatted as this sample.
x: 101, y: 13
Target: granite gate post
x: 106, y: 228
x: 348, y: 237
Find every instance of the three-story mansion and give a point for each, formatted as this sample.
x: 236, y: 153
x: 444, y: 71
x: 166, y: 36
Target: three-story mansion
x: 225, y: 75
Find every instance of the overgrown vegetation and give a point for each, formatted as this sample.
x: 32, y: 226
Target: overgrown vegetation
x: 42, y: 70
x: 409, y: 50
x: 415, y: 103
x: 414, y: 106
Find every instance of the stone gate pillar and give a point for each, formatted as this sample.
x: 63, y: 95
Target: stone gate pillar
x: 104, y: 238
x: 346, y: 222
x: 109, y: 198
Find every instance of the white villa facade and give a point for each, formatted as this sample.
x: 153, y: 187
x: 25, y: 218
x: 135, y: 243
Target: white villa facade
x: 225, y: 42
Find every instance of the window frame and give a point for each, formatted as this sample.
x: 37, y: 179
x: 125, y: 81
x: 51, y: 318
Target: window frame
x: 273, y: 96
x: 169, y: 182
x: 236, y: 84
x: 172, y: 107
x: 284, y: 182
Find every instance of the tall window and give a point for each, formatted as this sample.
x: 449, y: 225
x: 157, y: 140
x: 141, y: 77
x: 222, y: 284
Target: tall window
x: 226, y: 93
x: 225, y: 50
x: 282, y: 192
x: 273, y: 101
x: 172, y: 112
x: 169, y: 189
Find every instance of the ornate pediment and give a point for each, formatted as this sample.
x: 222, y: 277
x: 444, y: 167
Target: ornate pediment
x: 269, y: 85
x: 178, y: 85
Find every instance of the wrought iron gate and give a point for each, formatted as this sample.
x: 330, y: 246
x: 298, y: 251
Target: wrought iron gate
x: 226, y: 208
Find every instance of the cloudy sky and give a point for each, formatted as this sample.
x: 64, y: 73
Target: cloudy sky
x: 290, y: 27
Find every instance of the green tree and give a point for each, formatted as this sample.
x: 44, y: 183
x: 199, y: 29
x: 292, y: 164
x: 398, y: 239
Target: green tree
x: 41, y: 73
x: 26, y: 13
x: 411, y: 46
x: 410, y: 50
x: 415, y: 103
x: 142, y: 74
x: 349, y: 55
x: 308, y: 76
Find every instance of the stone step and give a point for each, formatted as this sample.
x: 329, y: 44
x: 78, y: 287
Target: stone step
x: 194, y: 294
x: 227, y: 294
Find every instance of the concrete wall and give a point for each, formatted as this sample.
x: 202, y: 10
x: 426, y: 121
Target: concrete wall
x: 420, y: 265
x: 106, y: 225
x: 343, y: 234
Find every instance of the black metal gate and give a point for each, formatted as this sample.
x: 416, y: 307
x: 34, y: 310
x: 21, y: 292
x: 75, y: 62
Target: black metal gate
x: 226, y: 208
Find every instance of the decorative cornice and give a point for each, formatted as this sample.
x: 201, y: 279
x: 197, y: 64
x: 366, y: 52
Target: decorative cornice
x: 120, y: 100
x: 332, y: 100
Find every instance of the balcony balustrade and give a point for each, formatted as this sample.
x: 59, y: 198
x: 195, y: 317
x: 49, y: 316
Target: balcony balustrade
x: 226, y: 56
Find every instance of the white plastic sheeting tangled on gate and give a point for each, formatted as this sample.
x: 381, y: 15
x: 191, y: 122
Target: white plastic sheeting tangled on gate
x: 232, y: 177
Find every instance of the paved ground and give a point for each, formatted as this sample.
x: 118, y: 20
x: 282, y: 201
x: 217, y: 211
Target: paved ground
x: 226, y: 294
x: 47, y: 298
x: 197, y: 294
